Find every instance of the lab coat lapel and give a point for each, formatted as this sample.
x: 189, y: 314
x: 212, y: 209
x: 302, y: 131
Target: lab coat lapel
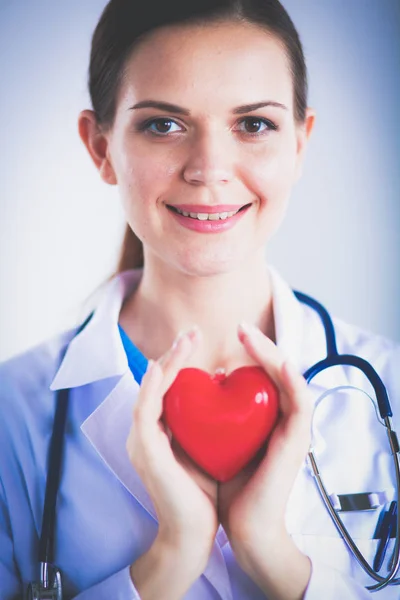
x: 288, y: 320
x: 97, y: 352
x: 301, y: 337
x: 95, y: 355
x: 107, y: 429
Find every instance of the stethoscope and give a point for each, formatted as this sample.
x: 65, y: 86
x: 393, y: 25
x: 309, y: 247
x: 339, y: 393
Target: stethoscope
x: 49, y: 586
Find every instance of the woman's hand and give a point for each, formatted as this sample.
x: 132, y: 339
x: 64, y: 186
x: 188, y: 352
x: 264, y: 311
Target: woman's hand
x: 184, y: 497
x: 251, y: 506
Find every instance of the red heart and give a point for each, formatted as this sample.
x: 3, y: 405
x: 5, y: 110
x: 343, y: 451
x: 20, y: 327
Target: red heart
x: 221, y: 422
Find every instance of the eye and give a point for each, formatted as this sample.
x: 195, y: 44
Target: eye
x: 253, y: 124
x: 160, y: 126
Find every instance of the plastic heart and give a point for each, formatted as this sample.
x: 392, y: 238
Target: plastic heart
x: 221, y: 421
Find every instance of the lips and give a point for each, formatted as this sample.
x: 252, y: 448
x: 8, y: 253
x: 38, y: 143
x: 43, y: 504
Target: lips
x: 208, y: 223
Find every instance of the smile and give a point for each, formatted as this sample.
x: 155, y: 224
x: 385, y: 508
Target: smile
x: 208, y: 216
x: 212, y: 222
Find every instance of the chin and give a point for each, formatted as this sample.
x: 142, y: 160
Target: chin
x: 206, y: 265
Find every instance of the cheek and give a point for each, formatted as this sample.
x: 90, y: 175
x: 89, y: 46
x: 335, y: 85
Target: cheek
x: 271, y: 174
x: 142, y: 180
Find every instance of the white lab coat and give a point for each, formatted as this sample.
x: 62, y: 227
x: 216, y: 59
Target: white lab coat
x: 106, y: 518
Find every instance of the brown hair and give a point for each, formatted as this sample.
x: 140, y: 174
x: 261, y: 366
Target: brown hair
x: 123, y: 24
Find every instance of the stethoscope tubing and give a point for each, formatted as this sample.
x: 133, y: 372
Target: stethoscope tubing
x: 332, y: 359
x: 382, y: 581
x: 350, y: 360
x: 48, y: 572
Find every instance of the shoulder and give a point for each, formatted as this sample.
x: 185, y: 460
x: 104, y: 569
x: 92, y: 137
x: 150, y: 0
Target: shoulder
x: 351, y: 339
x: 27, y: 407
x: 377, y: 349
x: 30, y: 373
x: 382, y: 353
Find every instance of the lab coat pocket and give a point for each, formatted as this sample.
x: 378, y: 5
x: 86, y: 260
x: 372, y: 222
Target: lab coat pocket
x: 333, y: 552
x: 314, y: 532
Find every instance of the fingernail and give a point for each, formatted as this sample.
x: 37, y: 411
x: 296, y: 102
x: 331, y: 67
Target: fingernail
x: 149, y: 365
x: 248, y: 329
x: 177, y: 340
x: 190, y: 333
x: 193, y: 331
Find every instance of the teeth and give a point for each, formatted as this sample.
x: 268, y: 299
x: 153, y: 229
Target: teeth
x: 208, y: 216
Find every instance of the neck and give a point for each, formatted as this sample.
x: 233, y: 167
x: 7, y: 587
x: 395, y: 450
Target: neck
x: 168, y: 301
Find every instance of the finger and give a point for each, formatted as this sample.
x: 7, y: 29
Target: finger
x: 175, y: 358
x: 193, y: 334
x: 164, y: 427
x: 149, y: 437
x: 203, y: 479
x: 147, y: 408
x: 297, y: 389
x: 262, y: 350
x: 159, y: 377
x: 291, y: 384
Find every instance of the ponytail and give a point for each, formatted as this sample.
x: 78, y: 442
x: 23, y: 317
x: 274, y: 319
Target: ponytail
x: 130, y: 257
x: 131, y: 253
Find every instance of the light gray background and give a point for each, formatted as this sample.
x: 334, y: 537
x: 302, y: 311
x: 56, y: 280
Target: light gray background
x: 61, y: 227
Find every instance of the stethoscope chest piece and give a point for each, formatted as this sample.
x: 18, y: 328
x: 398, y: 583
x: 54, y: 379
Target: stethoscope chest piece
x: 37, y: 591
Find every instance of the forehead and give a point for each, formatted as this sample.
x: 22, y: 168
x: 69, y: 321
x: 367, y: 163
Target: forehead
x: 224, y: 65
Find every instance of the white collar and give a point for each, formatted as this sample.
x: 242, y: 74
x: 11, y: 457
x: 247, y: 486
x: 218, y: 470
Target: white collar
x: 97, y: 352
x: 288, y: 318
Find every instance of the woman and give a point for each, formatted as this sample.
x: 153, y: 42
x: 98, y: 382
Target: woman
x: 200, y: 117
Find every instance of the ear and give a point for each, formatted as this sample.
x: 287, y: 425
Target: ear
x: 97, y: 144
x: 303, y: 134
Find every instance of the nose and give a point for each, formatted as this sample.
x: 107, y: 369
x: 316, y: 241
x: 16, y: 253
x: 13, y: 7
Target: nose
x: 210, y: 161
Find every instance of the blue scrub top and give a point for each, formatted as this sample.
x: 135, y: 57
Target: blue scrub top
x: 136, y: 360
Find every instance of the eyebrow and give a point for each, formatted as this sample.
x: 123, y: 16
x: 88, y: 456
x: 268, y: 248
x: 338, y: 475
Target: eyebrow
x: 239, y: 110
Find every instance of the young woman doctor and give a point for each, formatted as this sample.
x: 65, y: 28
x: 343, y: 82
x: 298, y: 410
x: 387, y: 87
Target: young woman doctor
x: 200, y: 117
